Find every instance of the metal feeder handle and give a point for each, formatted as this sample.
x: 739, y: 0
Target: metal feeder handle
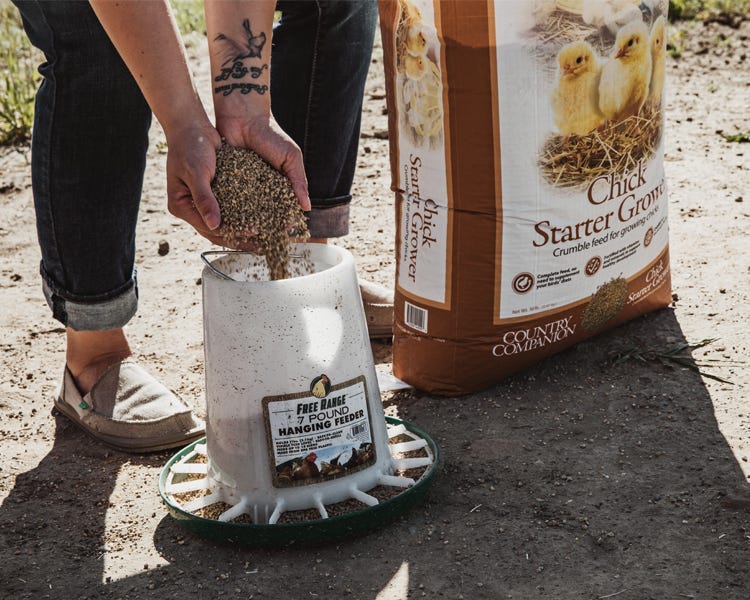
x: 213, y: 269
x: 222, y: 275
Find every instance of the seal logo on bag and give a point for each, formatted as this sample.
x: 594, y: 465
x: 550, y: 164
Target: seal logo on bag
x: 523, y: 283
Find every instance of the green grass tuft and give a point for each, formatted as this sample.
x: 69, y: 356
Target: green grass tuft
x: 19, y: 78
x: 742, y: 137
x: 189, y: 16
x: 693, y: 9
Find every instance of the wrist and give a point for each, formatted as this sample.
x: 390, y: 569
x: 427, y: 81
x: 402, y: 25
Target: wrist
x: 239, y: 128
x: 184, y: 118
x: 244, y: 116
x: 193, y: 135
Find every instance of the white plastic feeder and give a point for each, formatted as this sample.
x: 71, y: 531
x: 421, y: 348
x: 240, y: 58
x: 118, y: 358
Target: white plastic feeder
x: 294, y: 415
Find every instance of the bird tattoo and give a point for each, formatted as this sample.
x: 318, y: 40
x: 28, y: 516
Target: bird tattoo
x: 251, y: 49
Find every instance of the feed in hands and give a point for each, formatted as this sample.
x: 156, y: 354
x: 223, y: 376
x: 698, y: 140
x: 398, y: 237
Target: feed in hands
x: 257, y: 204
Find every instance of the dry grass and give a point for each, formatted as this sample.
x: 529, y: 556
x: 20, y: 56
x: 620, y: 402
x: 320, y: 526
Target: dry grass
x: 618, y: 147
x: 562, y: 27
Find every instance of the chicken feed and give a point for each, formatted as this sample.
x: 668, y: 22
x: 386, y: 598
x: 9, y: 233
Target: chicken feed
x: 526, y: 144
x: 257, y: 205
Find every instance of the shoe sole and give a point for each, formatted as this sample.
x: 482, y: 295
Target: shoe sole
x: 379, y: 319
x: 140, y: 445
x: 380, y: 333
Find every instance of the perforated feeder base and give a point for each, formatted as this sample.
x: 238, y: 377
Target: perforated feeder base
x: 182, y: 469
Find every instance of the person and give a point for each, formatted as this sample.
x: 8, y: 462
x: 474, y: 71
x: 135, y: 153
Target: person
x: 109, y: 67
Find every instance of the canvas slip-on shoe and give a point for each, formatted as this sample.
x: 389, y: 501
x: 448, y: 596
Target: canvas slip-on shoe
x: 129, y: 410
x: 378, y: 304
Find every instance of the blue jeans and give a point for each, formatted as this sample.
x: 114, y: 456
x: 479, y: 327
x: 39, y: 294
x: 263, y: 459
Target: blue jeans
x: 90, y: 140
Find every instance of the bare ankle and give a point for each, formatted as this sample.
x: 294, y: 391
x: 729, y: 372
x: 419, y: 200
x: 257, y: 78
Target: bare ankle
x: 90, y: 353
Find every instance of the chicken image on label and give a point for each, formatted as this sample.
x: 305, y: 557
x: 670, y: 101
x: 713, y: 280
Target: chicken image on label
x: 610, y: 14
x: 658, y: 46
x: 531, y: 199
x: 626, y: 76
x: 575, y: 100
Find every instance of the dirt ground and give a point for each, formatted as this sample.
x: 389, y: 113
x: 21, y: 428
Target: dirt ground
x: 576, y: 479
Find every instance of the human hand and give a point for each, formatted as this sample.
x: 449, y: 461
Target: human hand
x: 262, y: 134
x: 191, y: 166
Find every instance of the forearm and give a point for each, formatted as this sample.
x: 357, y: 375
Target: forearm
x: 239, y: 45
x: 239, y: 38
x: 147, y: 39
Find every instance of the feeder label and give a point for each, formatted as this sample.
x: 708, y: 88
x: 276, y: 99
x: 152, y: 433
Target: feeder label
x: 320, y: 434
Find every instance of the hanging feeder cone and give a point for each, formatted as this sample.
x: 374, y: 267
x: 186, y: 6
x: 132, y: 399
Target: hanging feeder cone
x: 294, y: 416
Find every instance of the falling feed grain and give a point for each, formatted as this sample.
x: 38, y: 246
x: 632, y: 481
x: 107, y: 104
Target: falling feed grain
x: 257, y: 204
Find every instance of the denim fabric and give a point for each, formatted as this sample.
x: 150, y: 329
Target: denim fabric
x: 88, y: 149
x: 90, y: 140
x: 321, y: 55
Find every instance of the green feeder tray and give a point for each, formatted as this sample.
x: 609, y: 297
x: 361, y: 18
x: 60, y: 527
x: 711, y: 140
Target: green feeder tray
x: 308, y: 532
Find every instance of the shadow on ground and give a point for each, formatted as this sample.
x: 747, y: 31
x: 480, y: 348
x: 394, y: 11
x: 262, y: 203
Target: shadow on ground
x: 576, y: 479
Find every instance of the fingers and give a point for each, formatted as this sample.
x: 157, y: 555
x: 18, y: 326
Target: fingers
x: 286, y: 157
x: 181, y: 204
x: 183, y: 208
x: 295, y: 172
x: 205, y: 204
x: 292, y: 165
x: 191, y: 164
x: 289, y: 162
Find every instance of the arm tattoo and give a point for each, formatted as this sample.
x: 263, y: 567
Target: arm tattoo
x: 238, y: 70
x: 245, y: 88
x: 256, y: 72
x: 236, y: 54
x: 250, y: 48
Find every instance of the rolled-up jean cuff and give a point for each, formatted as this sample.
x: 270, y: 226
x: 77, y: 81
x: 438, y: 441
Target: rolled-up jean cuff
x: 329, y: 222
x: 93, y: 316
